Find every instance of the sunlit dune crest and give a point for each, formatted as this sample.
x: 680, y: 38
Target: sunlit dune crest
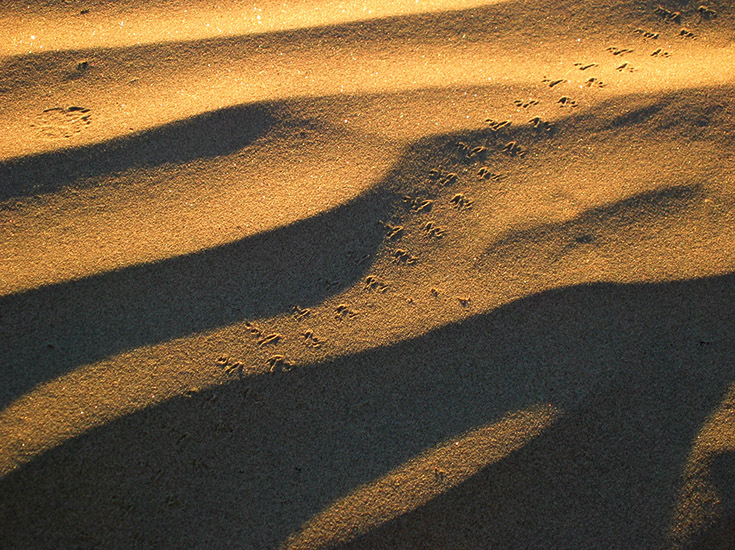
x: 130, y: 90
x: 708, y: 478
x: 28, y: 29
x: 422, y: 478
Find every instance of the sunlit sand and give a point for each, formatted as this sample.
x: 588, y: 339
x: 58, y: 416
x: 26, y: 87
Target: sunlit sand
x: 418, y: 274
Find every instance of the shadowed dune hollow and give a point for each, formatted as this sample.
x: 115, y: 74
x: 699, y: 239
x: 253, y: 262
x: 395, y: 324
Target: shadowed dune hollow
x: 248, y: 463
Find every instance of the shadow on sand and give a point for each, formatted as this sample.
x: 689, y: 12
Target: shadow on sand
x: 208, y: 135
x: 635, y: 369
x: 48, y: 331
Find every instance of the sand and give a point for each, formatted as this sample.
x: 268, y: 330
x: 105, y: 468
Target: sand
x: 421, y: 274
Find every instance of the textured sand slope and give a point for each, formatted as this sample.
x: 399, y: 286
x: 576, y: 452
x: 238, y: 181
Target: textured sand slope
x: 179, y: 189
x: 555, y: 357
x: 137, y: 87
x: 414, y: 275
x: 635, y: 369
x: 263, y: 276
x: 35, y: 26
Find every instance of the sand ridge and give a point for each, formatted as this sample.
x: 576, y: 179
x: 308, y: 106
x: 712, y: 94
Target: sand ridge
x: 300, y: 288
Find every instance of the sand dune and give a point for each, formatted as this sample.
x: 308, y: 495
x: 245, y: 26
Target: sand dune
x: 134, y: 88
x: 402, y: 275
x: 629, y: 366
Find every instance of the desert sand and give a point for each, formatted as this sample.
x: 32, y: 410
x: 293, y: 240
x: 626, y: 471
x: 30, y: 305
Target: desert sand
x: 392, y: 274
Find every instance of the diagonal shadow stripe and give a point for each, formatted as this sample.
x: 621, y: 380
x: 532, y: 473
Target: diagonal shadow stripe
x: 640, y: 213
x: 48, y: 331
x: 207, y: 135
x: 246, y: 464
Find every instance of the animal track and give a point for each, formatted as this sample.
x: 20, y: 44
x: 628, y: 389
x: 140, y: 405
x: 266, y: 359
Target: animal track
x: 495, y: 125
x: 273, y: 338
x: 448, y: 179
x: 173, y: 501
x: 375, y: 284
x: 209, y: 397
x: 237, y: 366
x: 311, y: 341
x: 594, y: 83
x: 584, y: 239
x: 417, y: 205
x: 328, y: 283
x: 404, y: 257
x: 463, y: 148
x: 433, y: 230
x: 538, y: 124
x: 395, y: 232
x: 440, y: 476
x: 625, y: 67
x: 359, y: 260
x: 706, y: 13
x: 480, y: 152
x: 300, y: 313
x: 619, y: 51
x: 660, y: 53
x: 486, y: 174
x: 525, y: 103
x: 464, y: 302
x: 424, y: 206
x: 647, y: 34
x: 252, y: 329
x: 343, y: 312
x: 567, y: 101
x: 469, y: 152
x: 686, y: 33
x: 435, y: 174
x: 513, y: 149
x: 666, y: 15
x: 585, y: 66
x: 553, y: 83
x: 200, y: 465
x: 279, y: 363
x: 60, y: 123
x: 80, y: 70
x: 230, y: 366
x: 461, y: 202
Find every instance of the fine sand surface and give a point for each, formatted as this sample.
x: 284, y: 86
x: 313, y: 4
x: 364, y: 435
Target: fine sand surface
x: 392, y: 274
